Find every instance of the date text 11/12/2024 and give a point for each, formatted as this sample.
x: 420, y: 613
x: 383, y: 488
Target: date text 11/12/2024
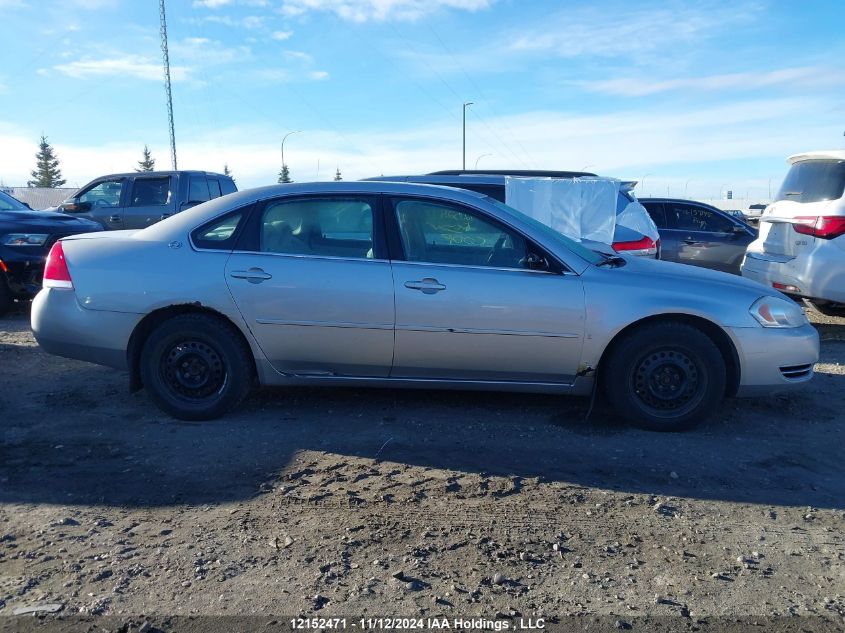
x: 411, y: 624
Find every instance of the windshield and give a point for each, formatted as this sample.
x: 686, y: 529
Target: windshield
x: 8, y: 203
x: 559, y: 238
x: 814, y: 181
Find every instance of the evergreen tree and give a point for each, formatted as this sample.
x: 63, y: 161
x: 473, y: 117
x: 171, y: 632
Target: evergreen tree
x: 46, y: 172
x: 228, y: 172
x: 337, y: 175
x: 148, y: 163
x: 284, y: 175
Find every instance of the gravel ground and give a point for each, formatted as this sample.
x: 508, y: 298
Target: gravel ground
x: 416, y: 503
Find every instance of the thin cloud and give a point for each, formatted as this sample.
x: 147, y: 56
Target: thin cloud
x: 129, y: 66
x: 638, y: 35
x: 380, y: 10
x: 210, y: 4
x: 246, y: 22
x: 808, y: 76
x: 281, y: 36
x: 592, y: 32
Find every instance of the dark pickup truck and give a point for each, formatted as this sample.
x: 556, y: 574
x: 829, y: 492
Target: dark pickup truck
x: 137, y: 200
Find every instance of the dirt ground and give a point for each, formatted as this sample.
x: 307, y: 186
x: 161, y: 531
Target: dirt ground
x: 415, y: 503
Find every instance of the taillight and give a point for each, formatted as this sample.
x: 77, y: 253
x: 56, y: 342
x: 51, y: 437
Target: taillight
x: 645, y: 246
x: 3, y: 266
x: 56, y: 273
x: 826, y: 227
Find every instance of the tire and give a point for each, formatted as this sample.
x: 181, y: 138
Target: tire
x: 5, y: 296
x: 196, y: 367
x: 644, y: 370
x: 827, y: 308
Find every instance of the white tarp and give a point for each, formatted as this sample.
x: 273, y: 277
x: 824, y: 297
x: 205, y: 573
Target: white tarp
x: 580, y: 208
x: 636, y: 217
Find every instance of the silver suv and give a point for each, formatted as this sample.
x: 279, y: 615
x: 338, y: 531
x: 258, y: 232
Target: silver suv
x: 801, y: 246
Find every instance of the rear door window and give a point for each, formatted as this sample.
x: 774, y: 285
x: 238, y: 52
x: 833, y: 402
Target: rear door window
x: 150, y: 192
x: 814, y: 181
x: 657, y: 213
x: 688, y: 217
x: 214, y: 188
x: 327, y: 227
x: 198, y: 189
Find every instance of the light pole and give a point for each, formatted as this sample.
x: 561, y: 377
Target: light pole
x: 479, y: 158
x: 642, y: 182
x: 284, y: 138
x: 466, y: 104
x: 685, y: 187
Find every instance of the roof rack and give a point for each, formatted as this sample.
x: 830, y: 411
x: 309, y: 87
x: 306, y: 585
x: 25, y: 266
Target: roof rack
x: 535, y: 173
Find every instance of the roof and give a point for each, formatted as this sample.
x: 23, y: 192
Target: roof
x: 525, y: 173
x: 160, y: 173
x: 830, y: 154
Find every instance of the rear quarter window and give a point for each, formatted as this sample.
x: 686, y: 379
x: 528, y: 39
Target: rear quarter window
x: 227, y: 185
x: 220, y: 233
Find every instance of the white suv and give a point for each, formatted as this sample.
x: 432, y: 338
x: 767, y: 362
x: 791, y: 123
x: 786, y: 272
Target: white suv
x: 801, y: 246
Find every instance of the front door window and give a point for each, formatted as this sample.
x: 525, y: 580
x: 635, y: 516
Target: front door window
x: 103, y: 194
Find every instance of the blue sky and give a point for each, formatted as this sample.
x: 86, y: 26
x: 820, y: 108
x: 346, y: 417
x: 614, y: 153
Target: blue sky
x: 694, y: 97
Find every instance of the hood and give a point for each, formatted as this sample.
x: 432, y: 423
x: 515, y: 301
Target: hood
x: 45, y: 221
x: 686, y: 274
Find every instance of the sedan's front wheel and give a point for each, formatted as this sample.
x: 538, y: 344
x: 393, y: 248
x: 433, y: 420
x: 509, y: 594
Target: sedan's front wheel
x: 665, y: 376
x: 195, y: 367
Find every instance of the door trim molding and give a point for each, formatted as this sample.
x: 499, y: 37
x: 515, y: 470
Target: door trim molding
x: 338, y: 324
x: 457, y: 330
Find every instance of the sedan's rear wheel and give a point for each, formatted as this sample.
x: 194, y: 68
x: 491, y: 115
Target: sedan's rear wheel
x: 665, y: 376
x: 196, y: 367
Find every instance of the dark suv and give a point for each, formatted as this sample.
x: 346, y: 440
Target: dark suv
x: 700, y: 235
x: 25, y: 239
x: 137, y: 200
x: 492, y: 183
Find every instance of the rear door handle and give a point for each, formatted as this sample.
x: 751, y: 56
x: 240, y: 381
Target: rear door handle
x: 114, y: 218
x: 428, y: 286
x: 253, y: 275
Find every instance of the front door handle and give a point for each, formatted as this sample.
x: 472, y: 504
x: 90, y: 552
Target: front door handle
x: 428, y: 286
x: 253, y: 275
x: 114, y: 218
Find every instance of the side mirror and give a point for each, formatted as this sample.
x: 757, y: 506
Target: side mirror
x: 74, y: 206
x: 533, y: 261
x: 738, y: 230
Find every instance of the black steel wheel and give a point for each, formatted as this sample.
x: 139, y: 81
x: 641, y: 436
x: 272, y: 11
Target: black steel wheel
x: 196, y: 367
x: 664, y: 376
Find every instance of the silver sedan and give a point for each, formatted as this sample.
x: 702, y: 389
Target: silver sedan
x: 401, y: 285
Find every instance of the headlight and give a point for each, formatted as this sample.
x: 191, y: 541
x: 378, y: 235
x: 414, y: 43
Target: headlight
x: 777, y: 312
x: 24, y: 239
